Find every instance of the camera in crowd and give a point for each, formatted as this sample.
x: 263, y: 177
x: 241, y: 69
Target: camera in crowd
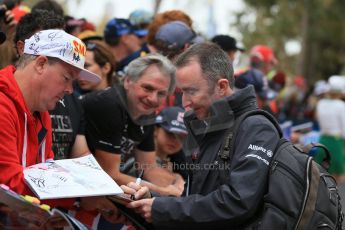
x: 2, y: 11
x: 4, y: 6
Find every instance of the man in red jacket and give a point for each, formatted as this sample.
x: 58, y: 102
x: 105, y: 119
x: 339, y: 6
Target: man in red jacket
x: 52, y: 60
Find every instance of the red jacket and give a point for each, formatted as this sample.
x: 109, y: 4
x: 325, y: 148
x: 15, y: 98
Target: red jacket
x: 19, y: 145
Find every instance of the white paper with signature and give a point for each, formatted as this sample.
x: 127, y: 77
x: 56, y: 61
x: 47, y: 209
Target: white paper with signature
x: 77, y: 177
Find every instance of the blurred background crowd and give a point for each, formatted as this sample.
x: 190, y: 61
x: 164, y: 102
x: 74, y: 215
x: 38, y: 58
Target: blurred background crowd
x: 291, y: 51
x: 307, y: 41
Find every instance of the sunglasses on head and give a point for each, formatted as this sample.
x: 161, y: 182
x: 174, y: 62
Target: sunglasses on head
x: 90, y: 46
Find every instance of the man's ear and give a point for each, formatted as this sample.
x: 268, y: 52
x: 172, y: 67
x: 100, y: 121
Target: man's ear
x: 126, y: 82
x: 106, y: 68
x: 222, y: 86
x: 20, y: 47
x: 40, y: 63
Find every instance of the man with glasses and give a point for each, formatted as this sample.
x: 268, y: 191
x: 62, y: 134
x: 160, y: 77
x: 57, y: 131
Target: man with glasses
x: 52, y: 59
x: 220, y: 196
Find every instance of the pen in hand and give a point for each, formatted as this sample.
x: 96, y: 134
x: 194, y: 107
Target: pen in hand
x: 138, y: 181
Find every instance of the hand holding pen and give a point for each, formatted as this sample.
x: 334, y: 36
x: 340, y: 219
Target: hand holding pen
x: 138, y: 181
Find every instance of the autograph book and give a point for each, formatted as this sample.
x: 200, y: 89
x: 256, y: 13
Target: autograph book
x: 76, y: 177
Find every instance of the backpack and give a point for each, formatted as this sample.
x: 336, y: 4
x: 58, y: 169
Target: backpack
x: 301, y: 194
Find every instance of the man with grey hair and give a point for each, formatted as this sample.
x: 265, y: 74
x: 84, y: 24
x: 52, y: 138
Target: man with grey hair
x: 120, y: 122
x: 224, y: 194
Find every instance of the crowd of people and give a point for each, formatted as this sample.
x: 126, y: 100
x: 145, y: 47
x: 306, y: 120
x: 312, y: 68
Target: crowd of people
x: 151, y: 93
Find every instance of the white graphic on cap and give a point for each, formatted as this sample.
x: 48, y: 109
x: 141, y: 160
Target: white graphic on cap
x: 61, y: 45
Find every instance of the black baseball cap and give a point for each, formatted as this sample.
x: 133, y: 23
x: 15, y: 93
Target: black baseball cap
x: 171, y: 119
x: 257, y: 79
x: 226, y: 42
x: 175, y: 34
x: 117, y: 27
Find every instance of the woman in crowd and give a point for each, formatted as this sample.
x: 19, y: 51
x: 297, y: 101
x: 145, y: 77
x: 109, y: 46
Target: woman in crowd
x: 101, y: 61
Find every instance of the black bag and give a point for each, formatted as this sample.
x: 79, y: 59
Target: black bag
x: 301, y: 194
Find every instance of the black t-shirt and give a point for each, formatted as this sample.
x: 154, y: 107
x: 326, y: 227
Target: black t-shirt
x: 67, y: 121
x: 110, y: 128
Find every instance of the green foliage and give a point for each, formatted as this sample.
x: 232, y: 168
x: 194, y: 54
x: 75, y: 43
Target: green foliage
x: 319, y: 25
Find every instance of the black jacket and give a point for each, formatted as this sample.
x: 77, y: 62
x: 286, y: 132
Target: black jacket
x: 211, y: 203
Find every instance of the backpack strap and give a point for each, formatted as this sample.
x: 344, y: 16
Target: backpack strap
x: 308, y: 149
x: 314, y: 180
x: 226, y: 149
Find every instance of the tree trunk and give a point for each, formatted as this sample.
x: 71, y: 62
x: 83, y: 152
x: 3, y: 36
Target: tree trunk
x: 306, y: 61
x: 156, y: 6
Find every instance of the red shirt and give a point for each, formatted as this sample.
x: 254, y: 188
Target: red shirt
x: 19, y: 137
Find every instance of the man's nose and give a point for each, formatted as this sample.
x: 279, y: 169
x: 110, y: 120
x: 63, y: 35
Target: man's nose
x: 69, y: 88
x: 153, y: 98
x: 186, y: 102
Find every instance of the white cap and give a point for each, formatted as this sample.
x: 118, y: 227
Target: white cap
x: 61, y: 45
x: 321, y: 87
x: 337, y: 83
